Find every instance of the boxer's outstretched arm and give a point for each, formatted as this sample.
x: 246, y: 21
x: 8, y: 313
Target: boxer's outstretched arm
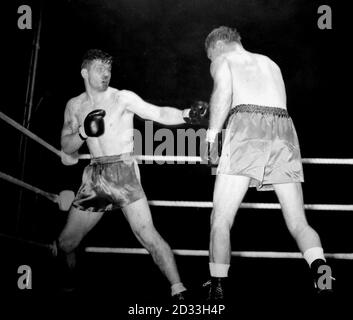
x: 148, y: 111
x: 70, y: 139
x: 221, y: 98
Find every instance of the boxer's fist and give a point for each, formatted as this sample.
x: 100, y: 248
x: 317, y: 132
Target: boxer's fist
x: 93, y: 125
x: 211, y: 148
x: 198, y: 113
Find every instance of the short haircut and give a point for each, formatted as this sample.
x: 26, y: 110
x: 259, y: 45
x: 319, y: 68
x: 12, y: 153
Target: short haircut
x: 95, y: 54
x: 222, y: 33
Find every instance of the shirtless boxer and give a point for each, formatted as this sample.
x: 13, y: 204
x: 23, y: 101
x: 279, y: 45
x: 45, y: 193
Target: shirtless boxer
x: 103, y: 118
x: 260, y: 149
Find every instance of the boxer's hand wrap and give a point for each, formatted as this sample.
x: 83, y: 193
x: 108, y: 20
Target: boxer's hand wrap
x: 93, y: 125
x: 211, y: 147
x: 197, y: 114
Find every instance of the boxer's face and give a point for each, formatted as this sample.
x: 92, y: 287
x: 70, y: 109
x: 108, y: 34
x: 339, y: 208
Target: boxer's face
x: 98, y: 75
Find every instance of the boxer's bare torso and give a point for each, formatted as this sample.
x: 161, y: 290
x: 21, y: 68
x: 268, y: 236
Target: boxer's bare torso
x: 118, y: 135
x: 120, y: 107
x: 118, y: 121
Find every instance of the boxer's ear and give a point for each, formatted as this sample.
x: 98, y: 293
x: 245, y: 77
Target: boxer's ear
x: 219, y: 45
x: 84, y: 73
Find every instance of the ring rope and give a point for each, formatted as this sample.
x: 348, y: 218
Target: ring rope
x: 29, y: 242
x: 154, y: 157
x: 29, y: 134
x: 198, y: 159
x: 64, y: 199
x: 205, y: 204
x: 50, y: 196
x: 327, y: 161
x: 205, y: 253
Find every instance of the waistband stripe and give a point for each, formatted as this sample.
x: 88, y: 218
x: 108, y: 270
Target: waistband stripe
x: 253, y: 108
x: 112, y: 159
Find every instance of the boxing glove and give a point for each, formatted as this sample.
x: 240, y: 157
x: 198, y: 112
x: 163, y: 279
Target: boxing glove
x: 93, y: 125
x: 197, y: 114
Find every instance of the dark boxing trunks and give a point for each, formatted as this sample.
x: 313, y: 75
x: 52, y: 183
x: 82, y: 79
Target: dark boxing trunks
x: 261, y: 143
x: 108, y: 183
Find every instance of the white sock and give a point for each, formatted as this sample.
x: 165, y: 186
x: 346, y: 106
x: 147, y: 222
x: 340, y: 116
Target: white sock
x: 177, y: 288
x: 219, y: 270
x: 314, y: 253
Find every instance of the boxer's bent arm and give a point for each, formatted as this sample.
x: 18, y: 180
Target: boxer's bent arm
x: 221, y: 98
x: 148, y: 111
x: 70, y: 139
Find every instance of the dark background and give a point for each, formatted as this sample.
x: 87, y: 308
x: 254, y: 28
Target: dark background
x: 158, y: 46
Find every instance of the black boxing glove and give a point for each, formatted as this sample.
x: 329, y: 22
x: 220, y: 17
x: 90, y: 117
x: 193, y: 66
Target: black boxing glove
x: 197, y: 114
x: 211, y: 147
x: 93, y: 125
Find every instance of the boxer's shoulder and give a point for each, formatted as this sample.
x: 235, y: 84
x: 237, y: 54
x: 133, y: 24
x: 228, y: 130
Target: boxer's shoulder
x: 128, y: 94
x: 76, y: 105
x: 218, y: 63
x: 265, y: 61
x: 73, y: 104
x: 77, y: 101
x: 127, y: 97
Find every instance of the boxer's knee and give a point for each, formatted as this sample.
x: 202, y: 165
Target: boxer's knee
x: 220, y: 222
x: 298, y: 228
x: 68, y: 244
x: 144, y: 232
x: 150, y: 238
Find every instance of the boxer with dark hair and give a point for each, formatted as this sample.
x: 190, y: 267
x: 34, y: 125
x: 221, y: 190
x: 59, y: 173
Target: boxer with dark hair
x: 103, y: 118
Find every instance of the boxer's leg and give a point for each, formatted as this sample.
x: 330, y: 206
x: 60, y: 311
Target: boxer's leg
x: 78, y: 224
x: 290, y: 196
x: 139, y: 217
x: 228, y: 194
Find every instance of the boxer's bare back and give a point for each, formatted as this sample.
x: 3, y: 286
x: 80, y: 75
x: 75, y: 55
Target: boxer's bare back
x: 255, y: 79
